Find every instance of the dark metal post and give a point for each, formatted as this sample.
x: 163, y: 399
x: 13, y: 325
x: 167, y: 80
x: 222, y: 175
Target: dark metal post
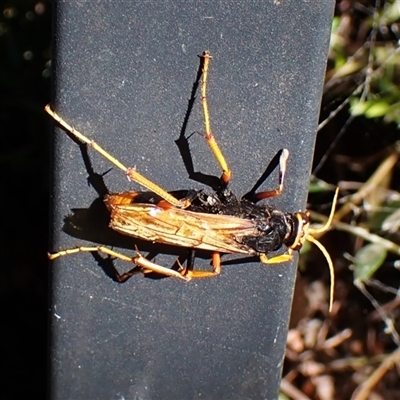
x: 123, y: 75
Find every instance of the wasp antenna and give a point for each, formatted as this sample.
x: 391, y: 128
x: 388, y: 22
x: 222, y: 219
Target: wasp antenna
x: 330, y: 264
x: 328, y: 223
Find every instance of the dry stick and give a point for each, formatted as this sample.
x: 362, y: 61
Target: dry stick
x: 382, y: 171
x: 290, y: 390
x: 359, y: 232
x: 364, y: 390
x: 386, y: 166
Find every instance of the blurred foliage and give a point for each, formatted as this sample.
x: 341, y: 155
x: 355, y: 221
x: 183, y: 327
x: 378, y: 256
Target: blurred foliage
x: 367, y: 261
x: 378, y: 59
x: 365, y: 49
x: 351, y: 352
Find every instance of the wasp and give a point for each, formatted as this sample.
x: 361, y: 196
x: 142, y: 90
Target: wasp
x: 218, y: 222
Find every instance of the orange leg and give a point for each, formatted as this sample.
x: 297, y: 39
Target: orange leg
x: 282, y: 171
x: 145, y: 265
x: 131, y: 173
x: 216, y: 262
x: 277, y: 259
x: 226, y: 172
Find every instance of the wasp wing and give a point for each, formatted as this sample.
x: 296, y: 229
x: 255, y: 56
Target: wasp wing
x: 178, y: 227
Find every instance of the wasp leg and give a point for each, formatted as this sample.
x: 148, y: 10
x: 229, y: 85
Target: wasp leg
x: 282, y: 171
x: 276, y: 259
x: 216, y: 262
x: 131, y: 173
x: 139, y: 260
x: 226, y: 172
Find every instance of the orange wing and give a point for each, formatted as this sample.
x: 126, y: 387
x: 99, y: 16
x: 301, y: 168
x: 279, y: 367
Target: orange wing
x: 182, y: 228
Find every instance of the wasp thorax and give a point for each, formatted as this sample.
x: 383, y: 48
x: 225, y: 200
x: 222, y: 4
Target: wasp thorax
x: 273, y: 230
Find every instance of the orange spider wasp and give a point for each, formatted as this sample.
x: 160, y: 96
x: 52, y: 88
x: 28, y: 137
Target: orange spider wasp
x: 217, y: 222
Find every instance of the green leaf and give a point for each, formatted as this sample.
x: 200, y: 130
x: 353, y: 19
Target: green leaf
x: 378, y: 109
x: 358, y: 107
x: 318, y: 186
x: 368, y: 260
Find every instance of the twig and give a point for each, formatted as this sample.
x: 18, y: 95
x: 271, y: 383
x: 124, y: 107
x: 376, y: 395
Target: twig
x: 364, y: 390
